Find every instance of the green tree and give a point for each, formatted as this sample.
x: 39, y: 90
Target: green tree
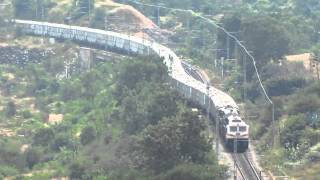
x: 10, y: 109
x: 267, y: 38
x: 24, y: 9
x: 143, y: 70
x: 302, y: 103
x: 70, y: 91
x: 174, y: 140
x: 77, y: 170
x: 294, y: 127
x: 43, y: 137
x: 190, y: 171
x: 32, y: 157
x: 88, y: 134
x: 61, y: 141
x: 163, y: 104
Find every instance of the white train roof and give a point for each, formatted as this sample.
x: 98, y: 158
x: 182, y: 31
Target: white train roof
x: 220, y: 99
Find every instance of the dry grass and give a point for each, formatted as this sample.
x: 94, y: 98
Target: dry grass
x: 310, y: 172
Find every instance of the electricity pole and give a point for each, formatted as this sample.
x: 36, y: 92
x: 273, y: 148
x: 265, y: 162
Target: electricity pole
x: 235, y: 145
x: 89, y: 12
x: 222, y: 68
x: 273, y: 125
x: 106, y: 28
x: 228, y: 46
x: 158, y: 16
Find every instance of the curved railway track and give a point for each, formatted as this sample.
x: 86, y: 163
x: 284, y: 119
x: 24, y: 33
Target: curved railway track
x: 184, y: 78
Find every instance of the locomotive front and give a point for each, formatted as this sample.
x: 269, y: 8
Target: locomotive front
x: 237, y: 136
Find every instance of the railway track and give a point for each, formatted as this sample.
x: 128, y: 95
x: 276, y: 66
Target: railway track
x: 245, y: 168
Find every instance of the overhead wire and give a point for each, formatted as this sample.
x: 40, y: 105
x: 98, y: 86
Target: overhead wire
x: 225, y: 31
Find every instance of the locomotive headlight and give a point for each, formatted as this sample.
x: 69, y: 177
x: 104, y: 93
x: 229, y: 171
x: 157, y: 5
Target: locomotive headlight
x: 244, y: 136
x: 230, y: 136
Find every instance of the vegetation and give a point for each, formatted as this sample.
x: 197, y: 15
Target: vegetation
x: 114, y: 112
x: 114, y: 118
x: 269, y: 30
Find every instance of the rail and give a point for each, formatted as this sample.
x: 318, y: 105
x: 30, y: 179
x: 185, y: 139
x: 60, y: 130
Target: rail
x: 238, y: 168
x: 245, y: 167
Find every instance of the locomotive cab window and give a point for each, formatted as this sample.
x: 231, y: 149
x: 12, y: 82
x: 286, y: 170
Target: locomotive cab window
x: 242, y: 128
x: 233, y: 128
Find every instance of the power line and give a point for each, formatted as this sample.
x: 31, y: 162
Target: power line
x: 221, y: 28
x: 238, y: 42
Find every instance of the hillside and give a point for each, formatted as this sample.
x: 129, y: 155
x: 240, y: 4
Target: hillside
x: 60, y: 119
x: 105, y: 116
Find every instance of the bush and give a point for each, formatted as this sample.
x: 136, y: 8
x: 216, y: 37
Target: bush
x: 60, y: 142
x: 7, y: 171
x: 43, y: 137
x: 77, y: 171
x: 10, y: 109
x: 281, y: 86
x: 32, y: 157
x: 195, y: 172
x: 26, y: 114
x: 88, y: 134
x: 303, y: 103
x: 127, y: 174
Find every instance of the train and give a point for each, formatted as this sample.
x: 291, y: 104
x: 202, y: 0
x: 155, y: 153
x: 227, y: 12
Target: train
x: 222, y: 108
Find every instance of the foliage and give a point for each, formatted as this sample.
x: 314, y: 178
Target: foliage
x: 99, y: 18
x: 189, y: 171
x: 304, y: 104
x: 24, y: 8
x: 32, y: 157
x: 128, y: 174
x: 77, y: 170
x: 174, y: 140
x: 294, y: 127
x: 43, y: 137
x: 267, y: 38
x: 10, y: 109
x: 88, y: 134
x: 30, y: 9
x: 133, y: 74
x: 6, y: 171
x: 61, y: 141
x: 81, y: 8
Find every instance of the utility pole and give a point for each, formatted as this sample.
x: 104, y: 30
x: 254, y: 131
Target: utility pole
x: 228, y: 46
x: 158, y: 16
x: 217, y: 136
x: 244, y: 67
x: 37, y: 6
x: 222, y: 68
x: 235, y: 145
x: 89, y: 12
x: 42, y: 20
x: 106, y: 28
x: 244, y: 59
x: 106, y: 21
x: 318, y: 71
x: 215, y: 62
x: 273, y: 126
x: 188, y: 24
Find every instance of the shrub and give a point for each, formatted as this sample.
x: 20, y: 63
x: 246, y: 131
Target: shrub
x: 10, y: 109
x: 43, y: 137
x: 194, y: 172
x: 7, y: 171
x: 32, y: 157
x: 88, y: 134
x: 26, y: 114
